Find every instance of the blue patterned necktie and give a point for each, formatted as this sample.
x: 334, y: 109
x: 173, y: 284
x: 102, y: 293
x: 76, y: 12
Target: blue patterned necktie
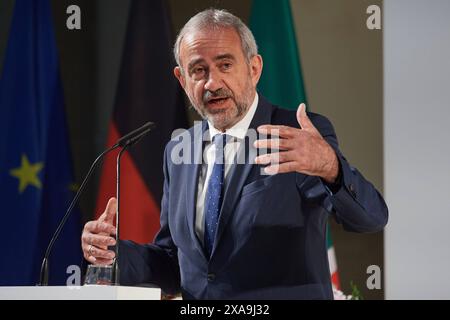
x: 213, y: 199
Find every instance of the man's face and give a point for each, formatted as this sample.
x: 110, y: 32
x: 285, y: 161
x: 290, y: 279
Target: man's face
x: 219, y: 81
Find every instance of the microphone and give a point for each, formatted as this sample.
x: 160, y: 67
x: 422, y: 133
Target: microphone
x: 124, y: 142
x: 134, y: 136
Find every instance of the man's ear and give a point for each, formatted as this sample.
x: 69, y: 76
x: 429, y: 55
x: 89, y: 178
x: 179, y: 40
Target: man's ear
x: 256, y: 66
x: 179, y: 75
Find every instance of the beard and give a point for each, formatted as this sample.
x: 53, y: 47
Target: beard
x: 224, y: 118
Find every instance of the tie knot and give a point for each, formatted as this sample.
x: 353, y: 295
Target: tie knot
x: 220, y: 139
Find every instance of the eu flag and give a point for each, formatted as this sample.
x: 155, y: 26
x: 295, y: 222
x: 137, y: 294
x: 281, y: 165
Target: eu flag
x: 36, y: 184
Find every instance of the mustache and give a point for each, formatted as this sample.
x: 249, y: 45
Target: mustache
x: 219, y: 93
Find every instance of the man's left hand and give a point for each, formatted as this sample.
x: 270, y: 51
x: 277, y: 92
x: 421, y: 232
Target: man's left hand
x: 302, y: 150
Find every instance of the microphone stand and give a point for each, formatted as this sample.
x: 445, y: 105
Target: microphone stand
x: 124, y: 142
x: 43, y: 279
x: 116, y: 271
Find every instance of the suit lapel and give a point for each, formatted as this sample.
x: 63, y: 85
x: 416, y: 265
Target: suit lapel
x: 193, y: 171
x: 239, y: 172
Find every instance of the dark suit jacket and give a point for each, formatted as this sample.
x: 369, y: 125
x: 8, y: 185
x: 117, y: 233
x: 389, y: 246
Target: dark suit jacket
x: 271, y: 237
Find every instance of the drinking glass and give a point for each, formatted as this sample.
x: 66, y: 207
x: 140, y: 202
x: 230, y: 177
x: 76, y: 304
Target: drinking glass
x: 99, y: 275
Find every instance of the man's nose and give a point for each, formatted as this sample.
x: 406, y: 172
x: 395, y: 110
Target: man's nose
x: 213, y: 82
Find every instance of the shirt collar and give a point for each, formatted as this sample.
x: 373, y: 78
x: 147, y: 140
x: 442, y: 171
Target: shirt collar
x: 239, y: 130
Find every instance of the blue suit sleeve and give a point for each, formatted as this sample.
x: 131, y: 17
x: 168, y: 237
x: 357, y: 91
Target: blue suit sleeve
x: 356, y: 204
x: 153, y: 263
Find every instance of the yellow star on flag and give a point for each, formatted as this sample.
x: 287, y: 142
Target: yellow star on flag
x: 74, y: 187
x: 27, y: 174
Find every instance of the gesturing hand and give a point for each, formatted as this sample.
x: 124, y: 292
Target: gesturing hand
x: 302, y: 150
x: 96, y: 236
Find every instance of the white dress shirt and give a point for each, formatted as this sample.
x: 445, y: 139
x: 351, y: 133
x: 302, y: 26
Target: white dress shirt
x: 238, y: 132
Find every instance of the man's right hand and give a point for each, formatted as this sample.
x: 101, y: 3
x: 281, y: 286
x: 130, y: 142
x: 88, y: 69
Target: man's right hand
x: 98, y: 235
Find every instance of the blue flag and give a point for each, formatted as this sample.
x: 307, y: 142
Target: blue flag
x: 36, y: 183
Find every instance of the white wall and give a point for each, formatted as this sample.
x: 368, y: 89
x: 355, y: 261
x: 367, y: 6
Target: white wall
x: 417, y: 148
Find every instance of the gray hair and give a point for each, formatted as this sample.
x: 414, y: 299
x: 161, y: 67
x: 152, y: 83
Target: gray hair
x: 214, y: 19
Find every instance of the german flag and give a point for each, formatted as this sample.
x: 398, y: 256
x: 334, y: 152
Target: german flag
x: 147, y: 91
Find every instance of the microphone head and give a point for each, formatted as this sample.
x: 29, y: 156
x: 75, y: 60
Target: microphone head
x: 135, y: 135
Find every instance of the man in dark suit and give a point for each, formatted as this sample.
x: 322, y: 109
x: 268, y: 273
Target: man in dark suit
x: 249, y: 229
